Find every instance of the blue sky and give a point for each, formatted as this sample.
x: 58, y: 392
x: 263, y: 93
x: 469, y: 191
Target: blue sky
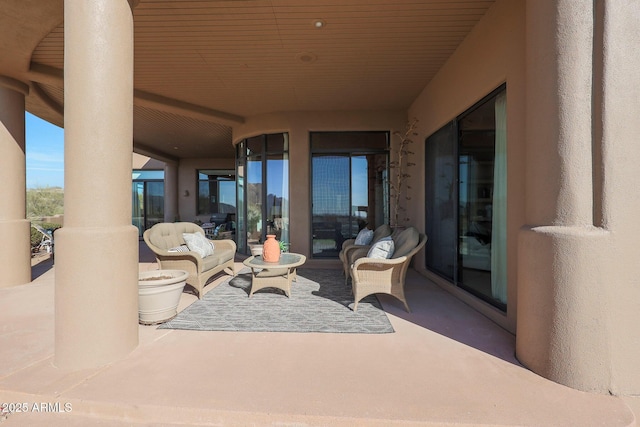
x: 44, y: 152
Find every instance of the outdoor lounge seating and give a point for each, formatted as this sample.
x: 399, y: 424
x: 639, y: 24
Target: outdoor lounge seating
x: 46, y: 242
x: 173, y: 253
x: 349, y: 246
x: 382, y: 275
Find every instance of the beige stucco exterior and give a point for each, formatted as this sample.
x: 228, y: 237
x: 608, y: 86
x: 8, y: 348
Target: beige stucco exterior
x: 577, y: 245
x: 96, y: 250
x: 13, y: 224
x: 573, y: 97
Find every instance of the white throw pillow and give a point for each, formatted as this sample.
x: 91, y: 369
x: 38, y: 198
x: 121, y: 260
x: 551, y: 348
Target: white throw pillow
x: 181, y: 248
x: 383, y: 248
x: 364, y: 237
x: 198, y: 243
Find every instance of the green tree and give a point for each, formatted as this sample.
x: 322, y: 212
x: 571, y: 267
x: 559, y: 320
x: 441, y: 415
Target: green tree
x: 45, y: 201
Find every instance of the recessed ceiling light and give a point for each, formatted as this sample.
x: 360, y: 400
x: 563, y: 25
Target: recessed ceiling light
x: 307, y: 57
x: 319, y: 23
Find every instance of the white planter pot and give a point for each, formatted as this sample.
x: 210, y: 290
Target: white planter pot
x: 158, y: 299
x: 256, y: 249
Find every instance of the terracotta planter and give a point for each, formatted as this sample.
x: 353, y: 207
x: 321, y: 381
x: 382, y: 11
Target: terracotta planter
x: 271, y: 249
x: 159, y: 294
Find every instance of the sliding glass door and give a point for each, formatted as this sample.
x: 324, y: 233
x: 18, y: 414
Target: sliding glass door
x: 331, y: 205
x: 441, y: 202
x: 349, y: 188
x: 465, y: 166
x: 147, y: 199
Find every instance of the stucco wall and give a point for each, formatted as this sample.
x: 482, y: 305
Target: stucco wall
x: 573, y: 97
x: 620, y: 151
x: 492, y: 54
x: 579, y: 294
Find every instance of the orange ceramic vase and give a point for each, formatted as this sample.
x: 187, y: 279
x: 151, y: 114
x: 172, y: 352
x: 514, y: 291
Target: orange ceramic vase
x: 271, y: 249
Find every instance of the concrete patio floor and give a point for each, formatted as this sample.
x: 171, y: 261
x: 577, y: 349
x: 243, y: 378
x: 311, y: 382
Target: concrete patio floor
x: 445, y: 365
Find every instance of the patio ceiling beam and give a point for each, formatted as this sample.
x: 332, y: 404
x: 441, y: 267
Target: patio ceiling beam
x: 46, y: 99
x: 46, y: 74
x: 170, y: 105
x: 148, y: 151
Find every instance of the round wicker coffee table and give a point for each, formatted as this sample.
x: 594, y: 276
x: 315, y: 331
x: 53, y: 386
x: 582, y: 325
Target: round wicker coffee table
x: 274, y: 274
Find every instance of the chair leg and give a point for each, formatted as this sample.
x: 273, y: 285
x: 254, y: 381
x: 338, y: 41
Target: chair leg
x: 399, y: 294
x: 406, y: 306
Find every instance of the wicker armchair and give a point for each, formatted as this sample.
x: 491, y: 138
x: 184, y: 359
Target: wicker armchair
x: 164, y: 236
x: 349, y: 246
x: 375, y: 275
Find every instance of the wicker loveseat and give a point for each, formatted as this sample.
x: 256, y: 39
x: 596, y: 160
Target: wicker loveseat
x: 167, y: 243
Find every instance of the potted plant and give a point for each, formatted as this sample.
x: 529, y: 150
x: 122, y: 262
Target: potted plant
x: 159, y: 294
x: 399, y: 165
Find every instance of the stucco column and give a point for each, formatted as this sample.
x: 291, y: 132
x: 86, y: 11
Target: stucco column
x: 170, y: 192
x: 617, y: 149
x: 15, y: 257
x: 563, y: 268
x: 96, y: 298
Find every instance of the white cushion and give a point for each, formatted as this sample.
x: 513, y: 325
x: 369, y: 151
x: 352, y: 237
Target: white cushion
x: 198, y: 243
x: 181, y: 248
x: 364, y: 237
x: 383, y: 248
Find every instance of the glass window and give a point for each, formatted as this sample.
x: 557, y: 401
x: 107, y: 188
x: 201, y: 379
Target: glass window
x: 277, y: 143
x: 241, y: 194
x: 263, y: 189
x: 466, y: 222
x: 254, y: 200
x: 349, y: 187
x: 147, y: 199
x: 440, y: 200
x: 254, y: 146
x: 277, y: 202
x: 144, y: 174
x: 331, y: 203
x: 216, y: 192
x: 353, y: 141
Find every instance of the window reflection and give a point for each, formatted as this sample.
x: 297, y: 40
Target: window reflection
x: 465, y: 169
x: 349, y: 187
x: 263, y: 189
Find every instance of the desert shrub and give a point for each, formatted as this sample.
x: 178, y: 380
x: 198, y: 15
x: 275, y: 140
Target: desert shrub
x: 45, y: 201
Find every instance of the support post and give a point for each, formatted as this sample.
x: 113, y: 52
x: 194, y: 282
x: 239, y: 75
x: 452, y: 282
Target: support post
x: 15, y: 254
x: 96, y: 298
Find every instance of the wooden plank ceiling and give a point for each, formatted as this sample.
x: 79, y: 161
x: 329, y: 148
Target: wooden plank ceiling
x: 236, y: 59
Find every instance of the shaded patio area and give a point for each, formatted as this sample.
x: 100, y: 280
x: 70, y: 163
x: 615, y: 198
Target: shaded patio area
x: 445, y: 365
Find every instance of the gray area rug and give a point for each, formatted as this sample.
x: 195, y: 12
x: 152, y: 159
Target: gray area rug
x: 320, y: 302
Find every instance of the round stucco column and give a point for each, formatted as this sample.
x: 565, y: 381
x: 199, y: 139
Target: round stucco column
x: 562, y: 323
x: 15, y: 258
x: 96, y: 296
x: 170, y: 192
x: 617, y: 153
